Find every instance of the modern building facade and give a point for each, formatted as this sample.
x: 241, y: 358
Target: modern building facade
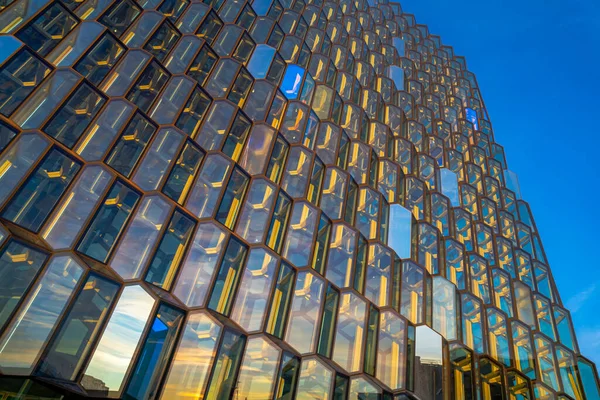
x: 267, y: 199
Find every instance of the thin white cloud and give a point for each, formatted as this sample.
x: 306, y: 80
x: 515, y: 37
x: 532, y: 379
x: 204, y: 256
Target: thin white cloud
x: 577, y: 301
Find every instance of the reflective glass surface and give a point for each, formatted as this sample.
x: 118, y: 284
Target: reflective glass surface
x: 262, y: 199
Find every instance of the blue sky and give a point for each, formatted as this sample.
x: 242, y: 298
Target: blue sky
x: 536, y: 63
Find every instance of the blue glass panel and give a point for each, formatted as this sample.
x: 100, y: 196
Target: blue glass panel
x: 399, y: 45
x: 450, y: 186
x: 155, y: 354
x: 261, y: 7
x: 512, y: 182
x: 472, y: 117
x: 400, y: 228
x: 591, y: 386
x: 397, y: 75
x: 292, y: 80
x: 261, y: 61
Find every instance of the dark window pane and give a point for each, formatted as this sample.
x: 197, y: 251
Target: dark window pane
x: 101, y: 58
x: 108, y: 223
x: 172, y: 9
x: 18, y: 78
x: 170, y: 252
x: 19, y: 265
x: 148, y: 86
x: 325, y: 345
x: 281, y: 300
x: 131, y: 145
x: 155, y: 354
x: 210, y: 27
x: 234, y: 145
x: 193, y: 113
x: 68, y: 124
x: 120, y: 16
x: 287, y: 377
x: 80, y: 328
x: 202, y: 65
x: 180, y: 180
x: 162, y: 41
x: 232, y: 199
x: 227, y: 363
x: 228, y: 277
x: 35, y: 200
x: 279, y: 222
x: 48, y: 29
x: 6, y: 135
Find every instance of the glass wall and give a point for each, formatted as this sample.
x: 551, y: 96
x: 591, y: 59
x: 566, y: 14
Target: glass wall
x: 262, y: 199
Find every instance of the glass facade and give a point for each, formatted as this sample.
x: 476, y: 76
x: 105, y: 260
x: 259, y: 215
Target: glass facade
x: 262, y: 199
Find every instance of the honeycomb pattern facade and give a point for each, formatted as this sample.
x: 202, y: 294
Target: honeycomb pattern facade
x: 267, y: 199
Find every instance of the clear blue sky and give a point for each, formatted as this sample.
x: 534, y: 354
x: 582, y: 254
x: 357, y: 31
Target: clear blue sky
x: 537, y: 64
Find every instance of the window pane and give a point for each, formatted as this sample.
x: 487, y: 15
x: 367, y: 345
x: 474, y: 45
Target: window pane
x: 193, y: 113
x: 100, y: 59
x: 100, y: 135
x: 63, y: 229
x: 19, y: 264
x: 48, y: 29
x: 213, y: 131
x: 226, y: 366
x: 148, y: 86
x: 162, y: 41
x: 301, y: 230
x: 47, y: 97
x: 199, y: 265
x: 232, y: 198
x: 207, y: 189
x: 349, y: 336
x: 109, y: 222
x: 171, y: 100
x: 26, y: 337
x: 193, y: 359
x: 18, y: 78
x: 257, y: 373
x: 131, y: 145
x: 158, y: 159
x: 120, y: 338
x: 35, y: 200
x: 166, y: 260
x: 6, y: 135
x: 391, y: 352
x: 227, y: 278
x: 120, y: 16
x: 138, y: 242
x: 256, y: 211
x: 252, y: 298
x: 155, y: 353
x: 315, y: 380
x: 80, y: 328
x: 304, y: 315
x: 182, y: 175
